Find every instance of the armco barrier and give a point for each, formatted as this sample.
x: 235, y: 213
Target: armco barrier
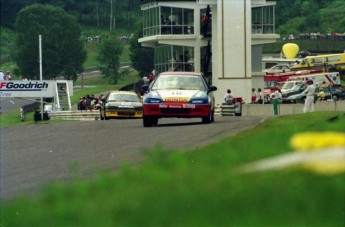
x: 28, y: 108
x: 75, y: 115
x: 287, y: 109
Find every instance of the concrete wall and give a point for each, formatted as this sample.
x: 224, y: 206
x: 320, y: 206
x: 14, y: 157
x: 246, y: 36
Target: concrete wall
x: 286, y: 109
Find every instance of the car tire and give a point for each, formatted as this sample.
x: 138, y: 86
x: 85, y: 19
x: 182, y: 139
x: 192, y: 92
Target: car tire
x: 105, y: 116
x: 208, y: 119
x: 154, y: 120
x: 335, y: 98
x: 147, y: 121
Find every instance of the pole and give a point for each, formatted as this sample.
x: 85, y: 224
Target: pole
x: 41, y: 77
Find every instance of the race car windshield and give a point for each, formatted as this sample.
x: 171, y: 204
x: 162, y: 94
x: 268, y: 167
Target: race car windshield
x: 123, y: 97
x: 179, y: 82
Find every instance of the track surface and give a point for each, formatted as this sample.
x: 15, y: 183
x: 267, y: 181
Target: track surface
x: 34, y: 155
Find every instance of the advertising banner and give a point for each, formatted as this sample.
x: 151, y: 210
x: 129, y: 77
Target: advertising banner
x: 30, y: 88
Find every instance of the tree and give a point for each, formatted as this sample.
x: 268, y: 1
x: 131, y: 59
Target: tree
x: 62, y: 48
x: 109, y: 55
x: 142, y: 58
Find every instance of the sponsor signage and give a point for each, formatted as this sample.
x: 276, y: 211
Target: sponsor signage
x: 30, y: 88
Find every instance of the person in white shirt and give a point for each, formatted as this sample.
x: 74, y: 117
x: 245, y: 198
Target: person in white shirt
x: 309, y: 101
x: 276, y: 97
x: 260, y: 97
x: 2, y: 76
x: 228, y: 98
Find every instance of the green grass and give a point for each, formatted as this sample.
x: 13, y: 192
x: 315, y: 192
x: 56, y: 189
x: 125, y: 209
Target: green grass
x: 200, y: 187
x: 92, y: 54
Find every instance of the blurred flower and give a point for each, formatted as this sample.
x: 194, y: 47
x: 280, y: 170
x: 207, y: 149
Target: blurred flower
x: 317, y: 140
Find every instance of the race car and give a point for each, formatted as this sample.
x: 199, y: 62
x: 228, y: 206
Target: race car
x: 178, y: 94
x: 121, y: 104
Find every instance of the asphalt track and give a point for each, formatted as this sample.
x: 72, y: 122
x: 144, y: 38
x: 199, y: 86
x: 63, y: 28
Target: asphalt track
x: 35, y: 155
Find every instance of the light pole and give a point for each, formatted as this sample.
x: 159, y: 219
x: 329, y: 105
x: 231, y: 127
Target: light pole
x: 41, y: 77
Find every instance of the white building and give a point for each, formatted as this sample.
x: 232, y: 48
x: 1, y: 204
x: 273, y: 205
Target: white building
x: 221, y: 38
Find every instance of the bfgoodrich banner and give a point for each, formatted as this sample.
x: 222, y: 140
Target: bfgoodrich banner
x: 31, y: 88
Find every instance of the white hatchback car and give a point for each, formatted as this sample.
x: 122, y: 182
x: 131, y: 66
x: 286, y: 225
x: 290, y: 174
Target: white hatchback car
x: 281, y: 68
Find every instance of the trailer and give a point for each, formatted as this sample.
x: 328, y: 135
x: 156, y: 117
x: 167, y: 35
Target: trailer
x: 326, y: 79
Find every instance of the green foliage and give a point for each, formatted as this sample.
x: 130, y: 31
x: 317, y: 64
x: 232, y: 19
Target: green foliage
x: 142, y: 58
x: 297, y: 16
x: 62, y: 49
x: 200, y: 187
x: 316, y: 46
x: 88, y: 12
x: 109, y: 56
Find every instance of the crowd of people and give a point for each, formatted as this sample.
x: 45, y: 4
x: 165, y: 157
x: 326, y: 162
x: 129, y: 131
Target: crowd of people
x: 90, y: 102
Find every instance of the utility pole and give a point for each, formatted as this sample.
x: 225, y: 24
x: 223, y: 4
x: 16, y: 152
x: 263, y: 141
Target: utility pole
x: 41, y: 76
x: 111, y: 16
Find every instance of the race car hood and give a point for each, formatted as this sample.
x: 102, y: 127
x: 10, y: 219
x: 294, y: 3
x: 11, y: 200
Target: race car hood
x: 177, y: 95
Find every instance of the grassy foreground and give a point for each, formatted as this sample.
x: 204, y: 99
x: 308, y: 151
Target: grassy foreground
x: 200, y: 187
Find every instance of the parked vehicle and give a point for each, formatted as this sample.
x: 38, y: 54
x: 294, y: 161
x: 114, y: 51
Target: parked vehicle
x: 330, y: 93
x: 332, y: 78
x: 275, y: 79
x: 178, y: 94
x: 292, y: 88
x: 281, y: 68
x: 326, y: 63
x: 305, y: 53
x: 121, y: 104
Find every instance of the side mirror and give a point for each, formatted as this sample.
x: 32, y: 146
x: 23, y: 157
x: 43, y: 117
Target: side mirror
x: 212, y: 88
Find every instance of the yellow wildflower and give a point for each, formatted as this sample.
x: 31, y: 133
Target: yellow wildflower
x: 316, y: 140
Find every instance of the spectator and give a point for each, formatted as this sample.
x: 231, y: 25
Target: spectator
x: 321, y: 95
x: 8, y: 75
x: 146, y: 80
x: 228, y: 98
x: 99, y: 103
x: 92, y: 102
x: 88, y: 102
x: 150, y: 77
x: 154, y: 73
x: 172, y: 19
x: 276, y: 97
x: 82, y: 104
x: 253, y: 95
x: 260, y: 97
x: 2, y: 76
x: 309, y: 101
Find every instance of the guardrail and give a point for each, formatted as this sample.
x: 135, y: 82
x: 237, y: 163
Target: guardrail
x: 28, y: 108
x: 86, y: 115
x: 287, y: 109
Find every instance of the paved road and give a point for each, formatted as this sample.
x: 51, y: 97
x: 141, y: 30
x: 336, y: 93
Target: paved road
x: 34, y: 155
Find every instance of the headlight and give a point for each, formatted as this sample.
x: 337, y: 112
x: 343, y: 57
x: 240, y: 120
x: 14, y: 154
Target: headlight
x: 153, y: 100
x: 198, y: 101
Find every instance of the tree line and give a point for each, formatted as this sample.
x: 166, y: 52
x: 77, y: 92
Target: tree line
x: 292, y: 16
x: 93, y: 13
x: 310, y: 16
